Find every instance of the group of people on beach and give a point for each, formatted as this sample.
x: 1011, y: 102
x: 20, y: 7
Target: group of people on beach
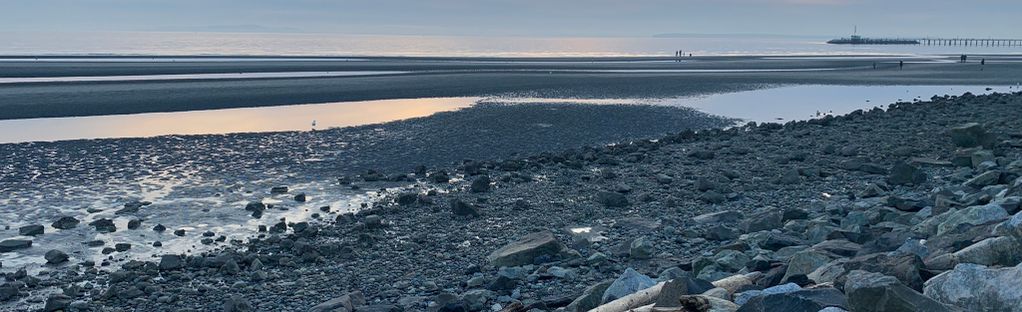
x: 679, y: 54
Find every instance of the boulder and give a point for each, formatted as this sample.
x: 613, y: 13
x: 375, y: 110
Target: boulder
x: 1002, y: 250
x: 875, y: 292
x: 628, y: 283
x: 347, y: 302
x: 527, y: 250
x: 57, y: 302
x: 744, y: 297
x: 808, y: 300
x: 590, y: 298
x: 65, y: 223
x: 31, y: 230
x: 673, y: 290
x: 705, y: 303
x: 462, y: 208
x: 612, y: 199
x: 767, y: 219
x: 171, y: 262
x: 974, y: 215
x: 978, y: 288
x: 805, y: 262
x: 14, y: 244
x: 641, y: 248
x: 985, y: 179
x: 971, y: 135
x: 905, y: 174
x: 55, y: 257
x: 104, y: 225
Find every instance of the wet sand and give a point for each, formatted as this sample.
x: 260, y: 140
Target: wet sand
x: 442, y: 77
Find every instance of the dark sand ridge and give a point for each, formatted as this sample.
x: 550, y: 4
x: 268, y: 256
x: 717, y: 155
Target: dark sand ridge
x: 445, y: 78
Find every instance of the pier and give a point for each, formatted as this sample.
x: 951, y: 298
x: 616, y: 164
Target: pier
x: 967, y: 42
x: 971, y: 42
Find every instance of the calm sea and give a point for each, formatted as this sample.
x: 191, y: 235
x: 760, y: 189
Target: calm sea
x: 166, y: 43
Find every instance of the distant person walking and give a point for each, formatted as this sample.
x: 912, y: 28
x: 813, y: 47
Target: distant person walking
x: 901, y: 64
x: 874, y: 65
x: 983, y: 62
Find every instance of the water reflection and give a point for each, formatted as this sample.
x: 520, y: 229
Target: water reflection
x: 765, y: 105
x: 260, y: 119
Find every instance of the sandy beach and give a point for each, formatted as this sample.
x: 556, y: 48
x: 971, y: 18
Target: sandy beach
x: 450, y: 77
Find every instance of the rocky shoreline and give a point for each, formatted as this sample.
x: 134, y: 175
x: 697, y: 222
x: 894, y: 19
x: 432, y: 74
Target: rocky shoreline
x: 912, y: 208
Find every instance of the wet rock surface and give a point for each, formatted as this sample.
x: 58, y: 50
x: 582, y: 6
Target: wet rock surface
x: 787, y: 227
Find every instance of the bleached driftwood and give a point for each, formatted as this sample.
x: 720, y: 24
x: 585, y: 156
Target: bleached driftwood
x: 634, y: 301
x: 732, y: 283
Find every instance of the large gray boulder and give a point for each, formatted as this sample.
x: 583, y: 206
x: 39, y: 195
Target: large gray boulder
x: 974, y: 215
x: 590, y: 298
x: 1002, y: 250
x: 628, y: 283
x: 905, y: 174
x: 971, y: 135
x: 875, y: 292
x: 526, y: 250
x: 978, y: 288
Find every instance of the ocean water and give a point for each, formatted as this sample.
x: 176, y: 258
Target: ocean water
x: 181, y: 43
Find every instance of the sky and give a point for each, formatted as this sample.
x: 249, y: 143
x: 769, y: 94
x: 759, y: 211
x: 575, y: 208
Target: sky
x: 630, y: 18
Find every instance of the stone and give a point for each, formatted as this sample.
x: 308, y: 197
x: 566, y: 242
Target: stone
x: 159, y: 228
x: 14, y: 244
x: 706, y: 303
x: 719, y: 232
x: 727, y: 216
x: 971, y: 135
x: 31, y: 230
x: 7, y: 293
x: 675, y: 288
x: 300, y: 197
x: 347, y: 302
x: 628, y: 283
x: 641, y: 248
x: 978, y: 287
x: 1003, y: 251
x: 480, y: 184
x: 768, y: 219
x: 171, y: 262
x: 731, y: 260
x: 612, y: 199
x: 974, y: 215
x: 840, y: 247
x: 57, y: 302
x: 805, y: 262
x: 814, y: 299
x: 985, y: 179
x: 104, y: 225
x: 590, y: 298
x: 904, y: 267
x: 407, y: 198
x: 237, y: 303
x: 54, y: 257
x: 476, y: 299
x: 905, y: 174
x: 527, y: 250
x: 65, y: 223
x: 743, y: 297
x: 875, y: 292
x: 278, y: 190
x: 462, y: 208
